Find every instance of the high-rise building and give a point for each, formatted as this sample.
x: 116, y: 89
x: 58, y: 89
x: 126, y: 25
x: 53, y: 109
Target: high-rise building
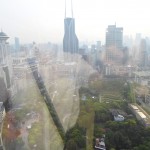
x: 114, y: 36
x: 70, y: 40
x: 17, y: 44
x: 114, y: 44
x: 138, y: 38
x: 98, y: 46
x: 143, y: 55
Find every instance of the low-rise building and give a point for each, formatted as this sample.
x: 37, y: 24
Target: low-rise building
x: 140, y: 114
x: 100, y: 143
x: 142, y: 78
x: 119, y: 118
x: 118, y: 114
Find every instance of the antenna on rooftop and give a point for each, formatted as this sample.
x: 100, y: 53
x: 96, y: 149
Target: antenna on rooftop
x: 65, y: 8
x: 72, y: 8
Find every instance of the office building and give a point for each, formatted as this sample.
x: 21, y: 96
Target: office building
x: 114, y: 36
x: 114, y: 44
x: 143, y: 54
x: 70, y: 40
x: 138, y: 38
x: 17, y: 44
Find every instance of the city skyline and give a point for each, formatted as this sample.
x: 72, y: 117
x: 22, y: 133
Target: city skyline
x: 42, y: 21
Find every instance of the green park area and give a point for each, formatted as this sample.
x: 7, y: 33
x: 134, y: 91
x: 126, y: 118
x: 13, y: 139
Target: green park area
x: 95, y: 118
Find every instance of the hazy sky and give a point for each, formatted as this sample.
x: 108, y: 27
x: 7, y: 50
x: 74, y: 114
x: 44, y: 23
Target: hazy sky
x: 43, y: 20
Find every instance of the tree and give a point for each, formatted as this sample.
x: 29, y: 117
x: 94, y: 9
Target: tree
x: 118, y: 140
x: 71, y: 145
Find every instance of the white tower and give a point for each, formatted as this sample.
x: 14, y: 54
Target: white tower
x: 5, y: 60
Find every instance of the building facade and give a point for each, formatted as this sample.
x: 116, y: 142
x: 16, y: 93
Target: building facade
x: 17, y: 45
x: 5, y: 61
x: 70, y: 40
x: 114, y: 36
x: 114, y: 44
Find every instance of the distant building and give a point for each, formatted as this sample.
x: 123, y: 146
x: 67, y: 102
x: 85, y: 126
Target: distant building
x: 20, y: 67
x: 114, y: 44
x: 138, y: 38
x: 70, y: 40
x: 98, y: 46
x: 128, y: 41
x: 5, y: 60
x: 17, y: 44
x: 142, y: 77
x: 114, y: 37
x: 140, y: 114
x: 64, y: 69
x: 143, y: 54
x: 6, y: 80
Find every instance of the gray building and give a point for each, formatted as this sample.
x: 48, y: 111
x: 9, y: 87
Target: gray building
x: 70, y: 40
x: 114, y: 36
x: 17, y: 44
x: 114, y: 44
x: 143, y: 55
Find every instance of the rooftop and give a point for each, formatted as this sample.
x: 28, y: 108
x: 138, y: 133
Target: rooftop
x: 134, y: 107
x: 141, y: 115
x: 3, y: 35
x: 142, y: 73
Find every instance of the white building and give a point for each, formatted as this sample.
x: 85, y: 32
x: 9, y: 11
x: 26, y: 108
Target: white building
x: 5, y: 61
x: 100, y: 144
x: 140, y: 114
x: 119, y: 118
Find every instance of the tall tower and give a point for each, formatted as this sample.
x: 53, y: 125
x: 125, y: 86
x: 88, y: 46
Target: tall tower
x: 143, y: 55
x: 114, y: 44
x: 5, y: 60
x: 70, y: 40
x: 17, y: 44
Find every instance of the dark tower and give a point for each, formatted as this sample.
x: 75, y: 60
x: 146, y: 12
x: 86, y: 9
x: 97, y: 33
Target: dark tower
x: 70, y: 41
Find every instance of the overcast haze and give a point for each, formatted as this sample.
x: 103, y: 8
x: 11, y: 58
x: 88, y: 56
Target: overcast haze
x: 43, y: 20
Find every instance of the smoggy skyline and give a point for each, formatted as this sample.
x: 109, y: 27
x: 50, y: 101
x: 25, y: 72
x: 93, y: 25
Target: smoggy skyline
x: 43, y: 20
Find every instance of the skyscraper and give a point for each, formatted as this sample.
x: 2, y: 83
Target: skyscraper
x: 70, y: 40
x: 114, y: 36
x: 143, y: 55
x: 17, y: 44
x: 114, y: 44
